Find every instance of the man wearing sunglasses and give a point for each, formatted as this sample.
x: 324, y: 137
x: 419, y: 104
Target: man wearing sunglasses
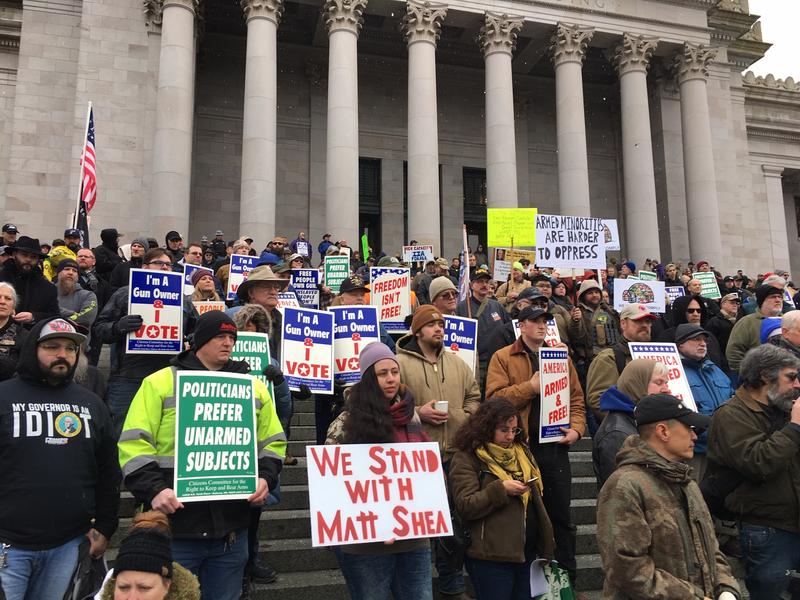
x: 754, y: 455
x: 655, y: 534
x: 113, y: 325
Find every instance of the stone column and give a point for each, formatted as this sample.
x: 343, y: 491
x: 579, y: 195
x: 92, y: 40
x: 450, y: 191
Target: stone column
x: 777, y: 217
x: 260, y: 121
x: 702, y: 207
x: 172, y: 143
x: 569, y: 49
x: 631, y: 59
x: 498, y: 38
x: 343, y: 19
x: 421, y: 26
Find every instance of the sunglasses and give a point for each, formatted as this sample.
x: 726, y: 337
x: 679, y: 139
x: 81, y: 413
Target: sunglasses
x: 448, y: 295
x: 694, y: 310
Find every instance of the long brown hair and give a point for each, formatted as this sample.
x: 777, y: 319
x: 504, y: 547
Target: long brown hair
x: 478, y: 430
x: 368, y: 418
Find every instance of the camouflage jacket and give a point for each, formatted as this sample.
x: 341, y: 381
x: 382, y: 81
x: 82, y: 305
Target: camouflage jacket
x: 655, y: 534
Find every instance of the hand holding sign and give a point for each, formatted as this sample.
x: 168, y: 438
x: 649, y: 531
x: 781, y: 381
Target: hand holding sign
x: 166, y: 502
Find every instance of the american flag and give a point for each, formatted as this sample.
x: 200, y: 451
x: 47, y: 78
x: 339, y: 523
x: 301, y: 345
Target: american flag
x: 88, y: 174
x: 463, y: 273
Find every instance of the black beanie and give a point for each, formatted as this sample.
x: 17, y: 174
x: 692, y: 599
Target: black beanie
x: 146, y: 550
x: 764, y: 291
x: 210, y: 325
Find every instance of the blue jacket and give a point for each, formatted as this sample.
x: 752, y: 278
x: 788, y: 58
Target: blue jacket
x: 711, y: 388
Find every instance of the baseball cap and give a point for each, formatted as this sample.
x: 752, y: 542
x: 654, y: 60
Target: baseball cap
x: 732, y: 297
x: 351, y: 284
x: 663, y: 407
x: 218, y: 232
x: 174, y: 235
x: 442, y: 263
x: 636, y: 312
x: 480, y: 273
x: 9, y: 228
x: 60, y: 328
x: 72, y: 233
x: 530, y: 313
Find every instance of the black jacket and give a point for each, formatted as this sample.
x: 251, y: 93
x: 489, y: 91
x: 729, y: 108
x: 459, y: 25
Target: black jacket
x: 92, y: 282
x: 215, y: 519
x: 678, y: 317
x: 58, y: 457
x: 134, y: 366
x: 120, y: 276
x: 720, y: 327
x: 35, y: 294
x: 106, y: 256
x: 12, y: 338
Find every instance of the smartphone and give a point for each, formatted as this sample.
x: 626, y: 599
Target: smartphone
x: 530, y: 482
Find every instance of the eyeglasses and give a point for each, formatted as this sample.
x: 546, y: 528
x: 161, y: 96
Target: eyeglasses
x: 448, y: 295
x: 505, y: 430
x: 694, y: 310
x: 52, y: 348
x: 159, y: 263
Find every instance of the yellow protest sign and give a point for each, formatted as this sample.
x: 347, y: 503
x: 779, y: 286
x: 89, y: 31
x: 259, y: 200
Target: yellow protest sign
x: 513, y: 227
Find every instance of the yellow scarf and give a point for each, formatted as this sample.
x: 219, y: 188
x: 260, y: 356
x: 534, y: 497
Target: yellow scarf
x: 515, y: 463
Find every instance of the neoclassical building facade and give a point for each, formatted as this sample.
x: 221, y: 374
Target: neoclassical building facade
x: 404, y: 118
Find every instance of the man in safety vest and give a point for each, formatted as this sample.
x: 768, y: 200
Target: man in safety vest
x: 209, y: 538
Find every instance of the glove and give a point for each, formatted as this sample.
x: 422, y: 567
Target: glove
x: 273, y: 374
x: 303, y: 394
x: 129, y: 323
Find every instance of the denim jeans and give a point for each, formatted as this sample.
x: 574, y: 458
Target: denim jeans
x: 494, y: 580
x: 40, y: 574
x: 121, y: 391
x: 217, y: 564
x: 768, y: 553
x: 407, y: 575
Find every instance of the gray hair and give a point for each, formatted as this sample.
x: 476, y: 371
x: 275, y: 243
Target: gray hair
x: 773, y: 279
x: 765, y: 363
x: 791, y: 320
x: 12, y: 291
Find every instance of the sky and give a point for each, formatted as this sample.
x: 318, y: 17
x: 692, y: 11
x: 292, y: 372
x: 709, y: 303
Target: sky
x: 779, y: 20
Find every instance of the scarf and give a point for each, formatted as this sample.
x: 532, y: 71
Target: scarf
x: 407, y: 426
x: 515, y: 463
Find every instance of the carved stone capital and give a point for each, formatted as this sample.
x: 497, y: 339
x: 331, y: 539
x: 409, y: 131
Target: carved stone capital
x: 263, y: 9
x: 152, y: 15
x: 344, y: 15
x: 569, y: 43
x: 499, y: 33
x: 423, y: 21
x: 692, y: 62
x: 634, y: 53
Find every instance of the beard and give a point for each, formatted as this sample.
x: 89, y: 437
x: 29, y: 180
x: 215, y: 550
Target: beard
x: 66, y: 287
x: 783, y: 401
x: 59, y: 378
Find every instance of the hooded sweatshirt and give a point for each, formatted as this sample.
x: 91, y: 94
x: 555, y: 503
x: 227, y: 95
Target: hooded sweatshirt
x: 106, y: 254
x: 678, y: 317
x: 58, y: 457
x: 34, y: 293
x: 655, y: 534
x: 619, y: 400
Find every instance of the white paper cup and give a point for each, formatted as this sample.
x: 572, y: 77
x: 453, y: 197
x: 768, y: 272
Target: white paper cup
x: 441, y: 405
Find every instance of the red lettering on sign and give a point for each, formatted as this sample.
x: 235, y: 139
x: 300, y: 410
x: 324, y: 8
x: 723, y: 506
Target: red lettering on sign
x: 167, y: 332
x: 339, y: 460
x: 366, y: 490
x: 557, y: 415
x: 344, y: 529
x: 422, y: 523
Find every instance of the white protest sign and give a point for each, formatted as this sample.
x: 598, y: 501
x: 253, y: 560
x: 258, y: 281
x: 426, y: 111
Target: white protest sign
x: 287, y: 299
x: 461, y: 338
x: 667, y: 353
x: 502, y: 269
x: 391, y: 295
x: 241, y: 265
x: 361, y: 493
x: 157, y: 296
x: 303, y: 248
x: 636, y: 291
x: 354, y: 328
x: 202, y: 307
x: 305, y: 283
x: 551, y: 338
x: 422, y: 253
x: 307, y: 349
x: 563, y: 241
x: 188, y: 271
x: 674, y: 292
x: 611, y: 234
x: 554, y: 394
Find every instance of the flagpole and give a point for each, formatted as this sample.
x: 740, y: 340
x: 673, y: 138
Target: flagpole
x: 80, y: 174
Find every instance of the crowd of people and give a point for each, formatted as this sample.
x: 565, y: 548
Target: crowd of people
x: 679, y: 491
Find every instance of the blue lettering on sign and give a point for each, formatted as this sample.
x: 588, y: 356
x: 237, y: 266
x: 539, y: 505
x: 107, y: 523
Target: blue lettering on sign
x: 150, y: 286
x: 300, y: 324
x: 460, y: 332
